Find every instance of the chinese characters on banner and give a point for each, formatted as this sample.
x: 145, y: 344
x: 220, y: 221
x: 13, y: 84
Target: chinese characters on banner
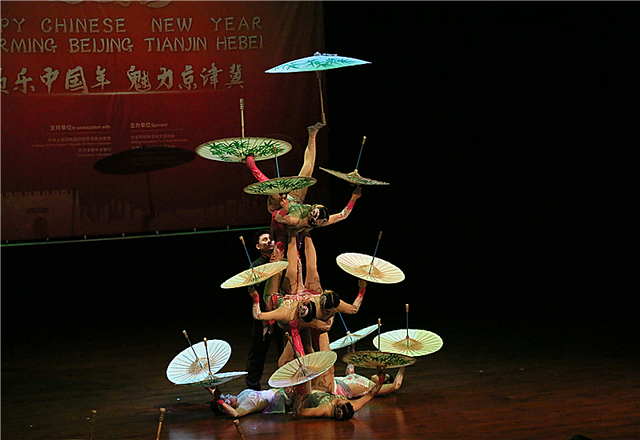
x: 83, y: 80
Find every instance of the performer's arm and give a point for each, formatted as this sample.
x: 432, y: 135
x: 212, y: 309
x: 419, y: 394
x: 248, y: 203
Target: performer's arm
x: 335, y: 218
x: 353, y: 308
x: 362, y: 401
x: 229, y: 409
x: 280, y: 314
x: 324, y: 410
x: 391, y: 387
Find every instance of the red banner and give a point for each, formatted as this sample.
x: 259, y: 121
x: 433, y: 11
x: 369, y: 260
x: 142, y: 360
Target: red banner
x: 84, y: 80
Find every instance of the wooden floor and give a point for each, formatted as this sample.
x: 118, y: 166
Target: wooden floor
x: 489, y: 381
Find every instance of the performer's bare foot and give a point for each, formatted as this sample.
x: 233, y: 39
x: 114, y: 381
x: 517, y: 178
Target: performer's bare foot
x: 313, y: 129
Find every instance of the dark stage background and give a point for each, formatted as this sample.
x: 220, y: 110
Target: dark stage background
x: 502, y: 136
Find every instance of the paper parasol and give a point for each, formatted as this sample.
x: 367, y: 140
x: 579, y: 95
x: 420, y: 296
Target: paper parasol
x: 237, y: 149
x: 255, y: 275
x: 419, y: 342
x: 279, y: 185
x: 352, y: 338
x: 355, y: 178
x: 377, y: 359
x: 197, y: 362
x: 302, y: 369
x: 217, y: 379
x: 369, y: 268
x: 315, y: 63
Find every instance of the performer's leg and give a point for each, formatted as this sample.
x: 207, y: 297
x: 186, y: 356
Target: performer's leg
x: 312, y: 279
x: 292, y: 276
x: 309, y: 158
x: 251, y: 164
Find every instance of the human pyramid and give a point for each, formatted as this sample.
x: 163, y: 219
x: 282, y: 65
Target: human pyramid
x: 291, y: 306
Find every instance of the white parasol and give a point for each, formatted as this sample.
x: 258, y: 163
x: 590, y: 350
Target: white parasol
x: 352, y: 338
x: 317, y: 63
x: 302, y: 369
x: 199, y: 361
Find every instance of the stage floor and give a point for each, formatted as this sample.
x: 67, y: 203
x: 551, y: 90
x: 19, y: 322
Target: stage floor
x: 503, y: 381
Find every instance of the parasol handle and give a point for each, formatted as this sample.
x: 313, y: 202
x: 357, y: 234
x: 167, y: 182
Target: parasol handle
x: 375, y: 251
x: 161, y: 419
x: 246, y: 251
x: 92, y: 421
x: 379, y: 325
x: 236, y: 423
x: 406, y: 307
x: 184, y: 332
x: 322, y: 115
x: 364, y: 138
x: 206, y: 349
x: 242, y: 115
x: 293, y: 347
x: 275, y: 152
x: 343, y: 323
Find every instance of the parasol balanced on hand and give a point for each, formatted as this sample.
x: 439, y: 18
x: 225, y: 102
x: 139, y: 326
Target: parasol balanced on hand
x: 370, y: 268
x: 317, y: 63
x: 409, y: 341
x: 377, y: 359
x: 254, y: 275
x: 353, y: 177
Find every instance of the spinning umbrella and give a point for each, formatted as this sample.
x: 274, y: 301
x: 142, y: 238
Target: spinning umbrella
x: 370, y: 268
x: 217, y: 379
x: 279, y: 185
x: 409, y: 341
x: 237, y: 149
x: 317, y: 63
x: 198, y: 362
x: 302, y: 369
x: 352, y: 338
x: 354, y: 177
x: 377, y: 359
x: 254, y: 275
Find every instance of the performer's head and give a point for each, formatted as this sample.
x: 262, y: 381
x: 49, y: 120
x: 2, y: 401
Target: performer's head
x: 307, y: 311
x: 318, y: 216
x: 264, y: 242
x: 229, y: 399
x: 343, y: 410
x: 329, y: 300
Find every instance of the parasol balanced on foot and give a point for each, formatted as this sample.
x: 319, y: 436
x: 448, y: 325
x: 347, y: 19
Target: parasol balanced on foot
x: 317, y: 63
x: 237, y: 149
x: 303, y: 369
x: 409, y: 342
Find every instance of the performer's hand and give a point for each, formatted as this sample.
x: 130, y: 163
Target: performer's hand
x: 357, y: 193
x: 362, y: 284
